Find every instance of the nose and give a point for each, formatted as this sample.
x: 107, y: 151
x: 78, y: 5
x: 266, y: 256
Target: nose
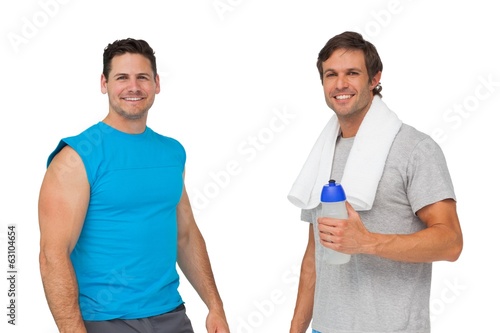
x: 133, y: 85
x: 341, y: 82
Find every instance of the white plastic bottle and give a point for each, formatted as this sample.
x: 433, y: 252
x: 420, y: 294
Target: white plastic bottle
x: 333, y: 200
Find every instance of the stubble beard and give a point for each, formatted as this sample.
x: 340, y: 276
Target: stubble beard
x: 129, y: 115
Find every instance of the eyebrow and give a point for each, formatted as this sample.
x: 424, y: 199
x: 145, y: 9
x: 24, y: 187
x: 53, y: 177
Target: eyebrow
x: 346, y: 70
x: 126, y: 74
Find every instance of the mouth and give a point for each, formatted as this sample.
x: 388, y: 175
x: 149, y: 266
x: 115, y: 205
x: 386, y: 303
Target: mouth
x: 343, y: 97
x: 133, y: 99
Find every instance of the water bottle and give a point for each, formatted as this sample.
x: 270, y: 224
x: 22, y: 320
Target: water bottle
x: 333, y: 205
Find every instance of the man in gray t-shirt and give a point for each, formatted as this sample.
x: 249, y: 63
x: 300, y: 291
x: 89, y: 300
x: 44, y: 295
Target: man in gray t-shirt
x: 385, y: 287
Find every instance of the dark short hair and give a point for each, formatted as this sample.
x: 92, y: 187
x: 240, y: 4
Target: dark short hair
x: 352, y: 41
x: 129, y: 45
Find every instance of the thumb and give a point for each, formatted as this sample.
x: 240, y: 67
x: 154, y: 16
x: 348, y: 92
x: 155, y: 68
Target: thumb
x: 350, y: 210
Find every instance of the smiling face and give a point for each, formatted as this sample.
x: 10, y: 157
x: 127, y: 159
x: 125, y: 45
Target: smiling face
x: 347, y: 86
x: 131, y: 87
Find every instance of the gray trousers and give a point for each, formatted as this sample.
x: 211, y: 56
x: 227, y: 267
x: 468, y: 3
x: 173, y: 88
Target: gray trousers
x: 175, y: 321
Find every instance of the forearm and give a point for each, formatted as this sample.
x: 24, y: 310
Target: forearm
x: 195, y: 264
x: 61, y: 291
x: 441, y: 240
x: 432, y: 244
x: 304, y: 305
x: 305, y: 296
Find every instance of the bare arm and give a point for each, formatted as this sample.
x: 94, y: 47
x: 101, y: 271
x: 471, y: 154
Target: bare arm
x: 440, y: 240
x: 62, y: 206
x: 194, y: 262
x: 305, y: 296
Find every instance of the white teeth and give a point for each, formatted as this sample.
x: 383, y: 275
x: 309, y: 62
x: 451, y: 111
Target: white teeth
x: 133, y: 99
x: 343, y: 97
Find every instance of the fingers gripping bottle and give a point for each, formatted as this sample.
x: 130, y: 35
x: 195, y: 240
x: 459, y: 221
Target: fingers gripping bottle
x: 333, y: 201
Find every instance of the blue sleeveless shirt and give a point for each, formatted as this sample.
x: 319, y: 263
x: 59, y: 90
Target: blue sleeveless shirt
x: 125, y: 258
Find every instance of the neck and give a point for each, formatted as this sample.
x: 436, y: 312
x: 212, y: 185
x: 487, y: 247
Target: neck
x: 130, y: 126
x: 349, y: 124
x: 348, y: 129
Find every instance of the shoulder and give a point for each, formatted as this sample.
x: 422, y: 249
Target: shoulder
x: 414, y: 150
x: 71, y: 144
x: 168, y: 146
x: 410, y: 135
x: 410, y: 141
x: 66, y: 165
x: 66, y: 155
x: 167, y: 140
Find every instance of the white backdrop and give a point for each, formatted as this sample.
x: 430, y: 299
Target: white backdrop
x: 241, y: 91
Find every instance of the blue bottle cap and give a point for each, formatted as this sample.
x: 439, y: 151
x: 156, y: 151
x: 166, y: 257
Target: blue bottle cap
x: 332, y: 192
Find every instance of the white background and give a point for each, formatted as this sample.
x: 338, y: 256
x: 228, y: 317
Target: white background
x: 227, y: 71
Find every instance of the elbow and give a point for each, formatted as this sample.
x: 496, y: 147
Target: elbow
x: 183, y: 240
x: 44, y: 263
x: 456, y: 249
x: 308, y: 266
x: 44, y: 260
x: 49, y: 258
x: 43, y: 256
x: 455, y: 254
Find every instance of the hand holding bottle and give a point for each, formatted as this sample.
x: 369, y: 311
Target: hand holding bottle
x: 333, y: 204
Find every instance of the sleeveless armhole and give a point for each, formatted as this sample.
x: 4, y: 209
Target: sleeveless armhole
x: 56, y: 151
x: 63, y: 143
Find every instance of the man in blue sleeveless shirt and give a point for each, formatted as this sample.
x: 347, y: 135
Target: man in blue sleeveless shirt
x: 115, y: 218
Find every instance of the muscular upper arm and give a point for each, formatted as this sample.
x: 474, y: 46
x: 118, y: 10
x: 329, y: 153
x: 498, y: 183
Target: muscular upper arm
x: 443, y: 216
x: 63, y: 202
x: 185, y: 218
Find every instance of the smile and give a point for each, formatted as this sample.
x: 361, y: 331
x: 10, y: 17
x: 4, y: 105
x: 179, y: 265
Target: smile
x: 343, y: 96
x: 132, y: 99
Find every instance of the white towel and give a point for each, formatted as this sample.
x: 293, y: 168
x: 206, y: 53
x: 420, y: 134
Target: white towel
x: 364, y: 165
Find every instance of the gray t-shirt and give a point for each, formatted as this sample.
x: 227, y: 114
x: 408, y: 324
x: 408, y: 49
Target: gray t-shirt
x: 370, y: 293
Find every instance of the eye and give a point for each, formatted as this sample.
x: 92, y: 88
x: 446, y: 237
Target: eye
x: 353, y: 73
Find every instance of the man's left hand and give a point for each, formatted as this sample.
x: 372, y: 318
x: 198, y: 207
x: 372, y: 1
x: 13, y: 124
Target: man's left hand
x: 216, y: 322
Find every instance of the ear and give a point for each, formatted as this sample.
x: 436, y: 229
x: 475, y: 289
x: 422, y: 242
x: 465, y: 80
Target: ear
x: 157, y: 81
x: 375, y: 80
x: 104, y: 84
